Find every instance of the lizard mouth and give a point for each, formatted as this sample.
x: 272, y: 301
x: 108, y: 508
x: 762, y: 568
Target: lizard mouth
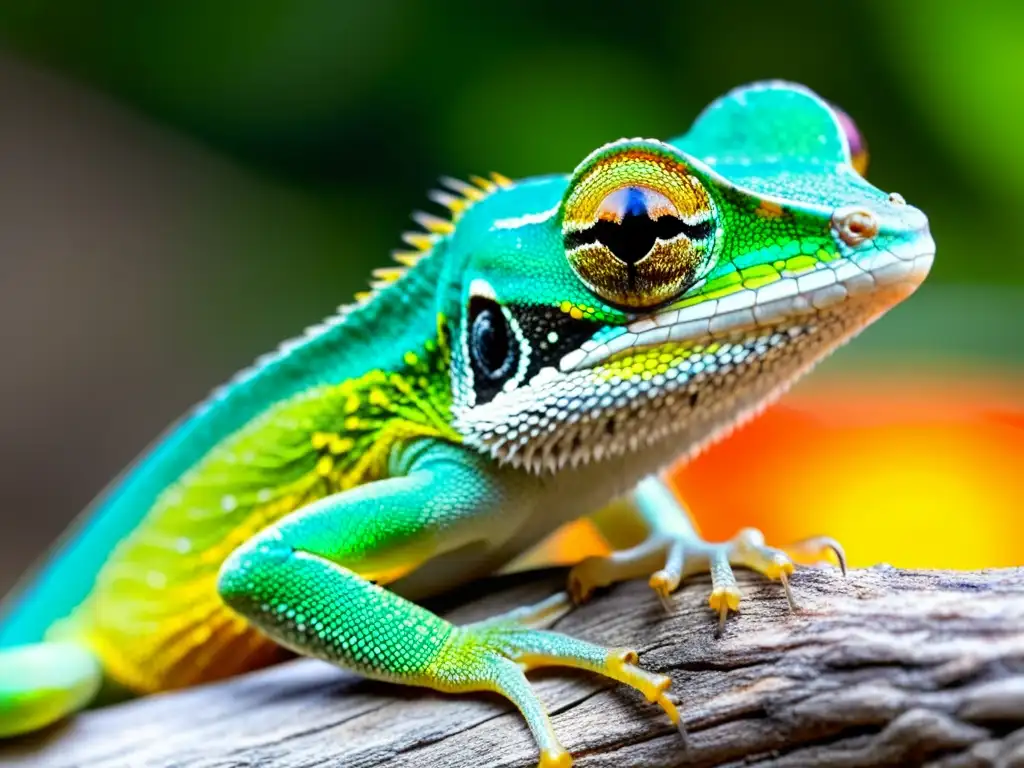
x: 681, y: 377
x: 874, y: 281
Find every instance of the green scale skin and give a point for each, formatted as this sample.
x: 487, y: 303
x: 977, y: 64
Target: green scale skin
x: 547, y: 351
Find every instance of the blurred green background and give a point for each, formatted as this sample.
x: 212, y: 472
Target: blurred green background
x: 341, y: 114
x: 185, y: 183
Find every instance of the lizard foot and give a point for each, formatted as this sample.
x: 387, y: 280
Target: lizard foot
x: 494, y: 654
x: 669, y: 556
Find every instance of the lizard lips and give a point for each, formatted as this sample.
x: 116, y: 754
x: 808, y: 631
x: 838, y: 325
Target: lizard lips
x: 894, y: 272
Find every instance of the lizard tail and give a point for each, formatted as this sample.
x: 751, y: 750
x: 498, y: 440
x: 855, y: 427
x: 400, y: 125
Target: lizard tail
x: 42, y: 683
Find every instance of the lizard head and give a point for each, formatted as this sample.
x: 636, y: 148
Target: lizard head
x: 665, y: 291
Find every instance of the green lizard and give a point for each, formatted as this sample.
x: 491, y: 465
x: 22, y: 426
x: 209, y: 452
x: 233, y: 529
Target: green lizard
x: 547, y: 350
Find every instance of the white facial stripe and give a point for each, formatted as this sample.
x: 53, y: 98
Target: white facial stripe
x: 526, y: 219
x: 482, y: 289
x: 525, y: 351
x: 790, y: 297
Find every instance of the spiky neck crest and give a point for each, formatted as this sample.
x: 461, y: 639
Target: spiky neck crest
x: 458, y: 197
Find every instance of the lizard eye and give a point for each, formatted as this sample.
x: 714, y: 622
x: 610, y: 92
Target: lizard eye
x: 491, y: 346
x: 637, y: 227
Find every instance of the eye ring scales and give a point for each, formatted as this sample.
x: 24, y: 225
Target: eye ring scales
x: 638, y: 227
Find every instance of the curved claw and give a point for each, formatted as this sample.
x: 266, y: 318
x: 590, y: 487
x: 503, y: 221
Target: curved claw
x: 815, y: 546
x: 837, y: 550
x: 789, y: 592
x: 723, y: 614
x: 724, y: 599
x: 660, y: 582
x: 683, y: 735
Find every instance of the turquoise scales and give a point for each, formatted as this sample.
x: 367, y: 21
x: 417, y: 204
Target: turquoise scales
x: 153, y: 616
x: 551, y: 349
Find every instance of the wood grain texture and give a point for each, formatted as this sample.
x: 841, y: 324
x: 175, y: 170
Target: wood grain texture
x: 885, y: 667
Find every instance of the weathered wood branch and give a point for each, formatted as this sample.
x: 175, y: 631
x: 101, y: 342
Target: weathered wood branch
x: 885, y: 667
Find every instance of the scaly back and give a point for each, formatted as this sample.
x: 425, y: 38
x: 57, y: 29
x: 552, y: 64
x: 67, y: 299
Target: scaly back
x: 346, y: 346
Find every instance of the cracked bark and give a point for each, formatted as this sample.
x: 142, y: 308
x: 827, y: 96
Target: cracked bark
x: 886, y: 667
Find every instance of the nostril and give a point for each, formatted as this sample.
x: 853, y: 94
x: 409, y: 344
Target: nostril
x: 855, y: 226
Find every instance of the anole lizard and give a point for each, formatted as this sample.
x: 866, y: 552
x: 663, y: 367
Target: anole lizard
x: 548, y: 348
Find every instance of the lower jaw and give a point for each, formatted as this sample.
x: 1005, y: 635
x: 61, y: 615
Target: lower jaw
x: 708, y: 407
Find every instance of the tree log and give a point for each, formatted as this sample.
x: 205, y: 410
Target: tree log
x: 884, y: 667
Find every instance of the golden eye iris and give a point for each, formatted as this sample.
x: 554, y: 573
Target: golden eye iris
x: 638, y: 228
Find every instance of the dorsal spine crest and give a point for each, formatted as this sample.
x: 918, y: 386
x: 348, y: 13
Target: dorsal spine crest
x: 458, y: 198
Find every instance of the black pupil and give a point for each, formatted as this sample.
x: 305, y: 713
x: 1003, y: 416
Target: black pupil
x: 491, y: 343
x: 633, y: 238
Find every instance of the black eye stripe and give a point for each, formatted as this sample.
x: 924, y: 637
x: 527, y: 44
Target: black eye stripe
x: 548, y: 334
x: 553, y: 334
x: 633, y: 239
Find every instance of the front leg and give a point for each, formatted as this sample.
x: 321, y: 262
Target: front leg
x: 674, y: 550
x: 305, y: 582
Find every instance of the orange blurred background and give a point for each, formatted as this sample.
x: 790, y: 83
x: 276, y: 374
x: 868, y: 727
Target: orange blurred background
x: 913, y: 472
x: 910, y: 473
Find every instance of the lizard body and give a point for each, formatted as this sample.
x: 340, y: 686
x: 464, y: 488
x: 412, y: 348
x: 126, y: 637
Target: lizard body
x: 550, y: 349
